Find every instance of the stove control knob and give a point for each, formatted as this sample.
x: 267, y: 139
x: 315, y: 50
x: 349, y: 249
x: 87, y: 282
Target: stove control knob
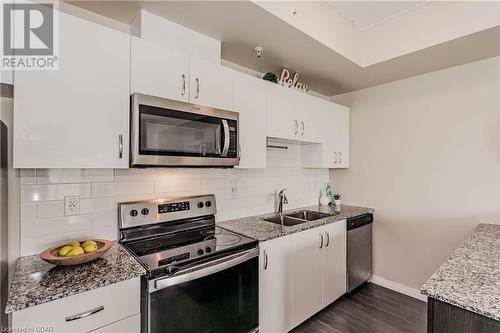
x: 145, y: 211
x: 200, y: 204
x: 208, y: 203
x: 200, y: 252
x: 208, y: 250
x: 133, y: 213
x: 171, y: 270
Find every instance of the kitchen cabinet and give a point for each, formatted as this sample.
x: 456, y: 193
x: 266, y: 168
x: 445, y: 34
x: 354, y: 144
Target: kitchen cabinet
x: 306, y: 275
x: 249, y: 98
x: 76, y: 116
x: 108, y: 305
x: 318, y: 269
x: 210, y: 84
x: 288, y: 114
x: 334, y: 261
x: 158, y: 71
x: 274, y: 285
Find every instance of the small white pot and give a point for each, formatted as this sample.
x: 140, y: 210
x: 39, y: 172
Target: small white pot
x: 337, y: 202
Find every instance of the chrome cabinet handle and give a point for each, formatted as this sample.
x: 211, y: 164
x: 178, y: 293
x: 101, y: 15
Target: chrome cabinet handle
x: 327, y: 239
x: 265, y: 260
x: 336, y: 157
x: 85, y: 314
x: 183, y: 91
x: 120, y: 146
x: 321, y: 240
x: 296, y: 127
x: 340, y: 154
x: 303, y: 128
x: 197, y: 88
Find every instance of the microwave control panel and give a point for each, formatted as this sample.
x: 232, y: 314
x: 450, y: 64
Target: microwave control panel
x: 233, y: 146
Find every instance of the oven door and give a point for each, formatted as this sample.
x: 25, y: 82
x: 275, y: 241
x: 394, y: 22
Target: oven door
x: 171, y: 133
x: 216, y: 297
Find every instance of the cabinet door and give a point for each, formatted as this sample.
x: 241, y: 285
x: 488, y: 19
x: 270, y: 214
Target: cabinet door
x: 249, y: 97
x: 282, y: 112
x: 74, y: 117
x: 274, y: 287
x: 334, y: 258
x: 157, y: 71
x: 211, y: 84
x: 342, y: 126
x: 306, y: 275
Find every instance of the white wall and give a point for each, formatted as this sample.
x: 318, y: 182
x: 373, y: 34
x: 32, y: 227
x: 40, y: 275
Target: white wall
x: 238, y: 193
x: 425, y: 155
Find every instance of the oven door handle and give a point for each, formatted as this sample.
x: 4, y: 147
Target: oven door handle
x: 226, y: 138
x: 196, y: 272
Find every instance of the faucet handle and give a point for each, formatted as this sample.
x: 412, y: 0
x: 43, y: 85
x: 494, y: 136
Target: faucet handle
x: 285, y: 200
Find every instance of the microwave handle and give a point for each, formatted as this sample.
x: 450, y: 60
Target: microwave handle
x: 225, y: 150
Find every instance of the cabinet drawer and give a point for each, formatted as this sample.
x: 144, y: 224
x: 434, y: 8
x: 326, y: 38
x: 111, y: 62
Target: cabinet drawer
x: 109, y: 304
x: 127, y: 325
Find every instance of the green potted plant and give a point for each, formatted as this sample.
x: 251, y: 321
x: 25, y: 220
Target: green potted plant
x: 270, y: 76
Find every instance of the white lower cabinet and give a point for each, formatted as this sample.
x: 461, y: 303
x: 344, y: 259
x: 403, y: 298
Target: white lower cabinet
x: 299, y: 275
x: 106, y: 309
x: 274, y: 285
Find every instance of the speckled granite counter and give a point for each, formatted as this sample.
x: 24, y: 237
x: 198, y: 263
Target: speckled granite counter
x: 36, y: 281
x: 255, y: 227
x: 470, y: 278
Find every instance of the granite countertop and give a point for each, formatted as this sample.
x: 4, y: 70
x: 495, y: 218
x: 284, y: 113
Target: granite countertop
x: 255, y: 227
x: 470, y: 278
x: 36, y: 281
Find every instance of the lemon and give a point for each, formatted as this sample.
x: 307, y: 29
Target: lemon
x: 90, y: 247
x: 63, y: 251
x: 75, y: 251
x: 74, y: 244
x: 88, y: 242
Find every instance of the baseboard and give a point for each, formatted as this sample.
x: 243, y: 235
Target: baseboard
x: 402, y: 289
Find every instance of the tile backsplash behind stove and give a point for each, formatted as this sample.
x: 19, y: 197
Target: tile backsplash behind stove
x: 238, y: 192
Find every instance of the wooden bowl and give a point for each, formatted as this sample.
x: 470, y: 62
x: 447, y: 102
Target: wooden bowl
x: 51, y: 254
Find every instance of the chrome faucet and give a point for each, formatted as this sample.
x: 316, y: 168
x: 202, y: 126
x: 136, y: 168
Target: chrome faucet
x: 282, y: 200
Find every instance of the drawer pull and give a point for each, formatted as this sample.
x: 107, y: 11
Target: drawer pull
x: 85, y: 314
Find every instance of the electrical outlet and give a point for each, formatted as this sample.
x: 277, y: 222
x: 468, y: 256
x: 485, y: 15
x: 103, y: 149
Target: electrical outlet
x: 71, y: 206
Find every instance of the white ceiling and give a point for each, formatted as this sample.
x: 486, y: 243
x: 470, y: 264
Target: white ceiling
x: 242, y: 25
x: 364, y: 14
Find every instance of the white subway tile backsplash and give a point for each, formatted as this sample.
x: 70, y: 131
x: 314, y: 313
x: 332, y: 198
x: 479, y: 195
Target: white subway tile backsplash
x: 238, y: 192
x: 30, y: 193
x: 54, y: 176
x: 49, y: 209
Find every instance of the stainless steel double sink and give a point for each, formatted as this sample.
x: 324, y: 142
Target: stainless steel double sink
x: 301, y: 216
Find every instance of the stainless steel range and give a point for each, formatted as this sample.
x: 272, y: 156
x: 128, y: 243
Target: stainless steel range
x: 200, y: 278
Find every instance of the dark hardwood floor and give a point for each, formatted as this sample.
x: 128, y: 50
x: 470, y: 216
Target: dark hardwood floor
x: 369, y: 309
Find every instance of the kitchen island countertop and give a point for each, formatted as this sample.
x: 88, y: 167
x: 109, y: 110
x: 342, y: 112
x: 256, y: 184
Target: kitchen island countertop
x: 470, y: 278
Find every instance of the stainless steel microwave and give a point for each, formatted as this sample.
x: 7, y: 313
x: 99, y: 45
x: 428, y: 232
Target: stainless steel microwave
x: 165, y: 132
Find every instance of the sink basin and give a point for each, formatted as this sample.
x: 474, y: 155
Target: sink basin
x: 287, y: 221
x: 307, y: 215
x: 299, y: 217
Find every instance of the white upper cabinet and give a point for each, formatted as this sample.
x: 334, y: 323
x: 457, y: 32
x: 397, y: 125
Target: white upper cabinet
x: 210, y: 84
x: 274, y: 285
x: 283, y: 115
x: 336, y: 141
x: 158, y: 71
x: 249, y: 99
x: 76, y: 116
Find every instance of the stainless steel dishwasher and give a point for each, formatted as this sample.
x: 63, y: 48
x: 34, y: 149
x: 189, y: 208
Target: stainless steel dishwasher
x: 359, y: 250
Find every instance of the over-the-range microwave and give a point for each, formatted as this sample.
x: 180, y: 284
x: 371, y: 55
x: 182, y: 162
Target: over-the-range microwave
x: 169, y: 133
